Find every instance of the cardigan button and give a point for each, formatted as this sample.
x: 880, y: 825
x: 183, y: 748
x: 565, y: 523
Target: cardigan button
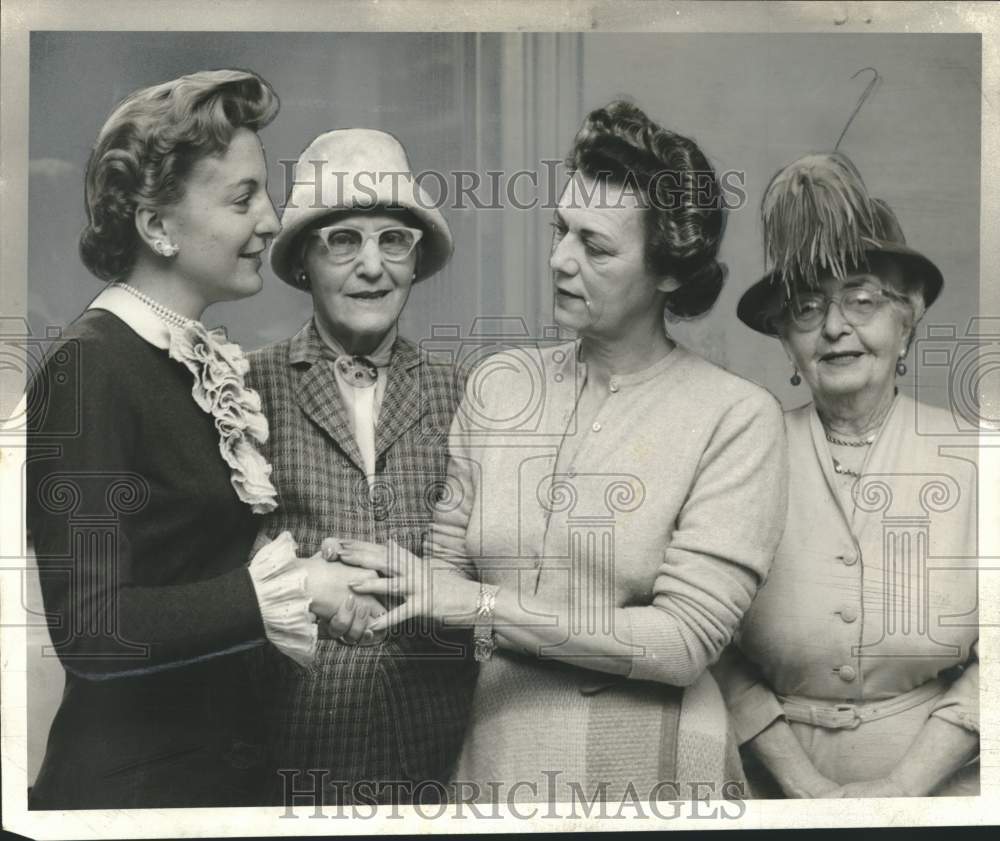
x: 596, y: 427
x: 847, y: 673
x: 848, y: 560
x: 613, y: 386
x: 848, y: 614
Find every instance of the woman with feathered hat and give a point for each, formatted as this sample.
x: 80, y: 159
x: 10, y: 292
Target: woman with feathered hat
x: 358, y: 419
x: 856, y: 670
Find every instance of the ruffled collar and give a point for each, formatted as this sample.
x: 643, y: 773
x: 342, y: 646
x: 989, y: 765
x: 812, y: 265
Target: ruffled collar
x: 219, y: 369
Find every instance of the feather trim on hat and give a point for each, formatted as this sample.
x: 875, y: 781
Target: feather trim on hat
x: 816, y: 215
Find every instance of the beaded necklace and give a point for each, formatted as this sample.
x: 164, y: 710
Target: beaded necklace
x: 164, y: 313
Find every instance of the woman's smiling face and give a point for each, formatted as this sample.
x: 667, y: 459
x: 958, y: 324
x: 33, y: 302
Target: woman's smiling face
x: 840, y: 360
x: 359, y: 301
x: 224, y: 222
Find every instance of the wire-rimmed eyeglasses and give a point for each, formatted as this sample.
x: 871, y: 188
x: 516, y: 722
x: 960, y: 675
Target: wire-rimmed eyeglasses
x: 807, y: 310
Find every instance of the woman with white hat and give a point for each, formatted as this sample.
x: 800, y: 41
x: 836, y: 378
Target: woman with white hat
x: 358, y: 420
x: 856, y: 671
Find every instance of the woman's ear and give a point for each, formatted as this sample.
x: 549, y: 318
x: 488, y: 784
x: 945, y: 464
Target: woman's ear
x: 668, y: 284
x: 149, y: 224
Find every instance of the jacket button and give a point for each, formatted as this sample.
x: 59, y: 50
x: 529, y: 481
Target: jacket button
x: 596, y: 427
x: 613, y: 386
x: 847, y: 673
x: 848, y: 614
x: 848, y: 560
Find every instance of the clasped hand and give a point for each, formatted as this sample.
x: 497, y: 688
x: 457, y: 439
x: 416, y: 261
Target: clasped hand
x: 420, y: 586
x: 347, y: 616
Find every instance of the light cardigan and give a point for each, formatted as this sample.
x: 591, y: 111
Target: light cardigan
x: 820, y: 628
x: 670, y: 508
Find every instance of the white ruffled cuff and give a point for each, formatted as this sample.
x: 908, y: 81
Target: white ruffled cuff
x: 284, y: 601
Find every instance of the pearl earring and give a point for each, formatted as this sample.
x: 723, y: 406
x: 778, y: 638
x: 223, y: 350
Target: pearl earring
x: 795, y: 379
x: 166, y: 249
x: 302, y: 278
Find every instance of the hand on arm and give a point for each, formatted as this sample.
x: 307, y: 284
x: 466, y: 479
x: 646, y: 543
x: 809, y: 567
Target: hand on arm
x: 438, y: 590
x: 705, y: 583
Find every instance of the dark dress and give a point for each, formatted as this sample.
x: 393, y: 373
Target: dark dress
x: 142, y: 548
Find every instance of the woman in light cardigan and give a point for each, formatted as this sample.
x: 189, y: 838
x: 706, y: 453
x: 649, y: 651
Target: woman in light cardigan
x: 613, y: 503
x: 856, y: 672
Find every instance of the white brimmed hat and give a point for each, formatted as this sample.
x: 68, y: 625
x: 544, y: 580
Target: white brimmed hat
x: 356, y: 169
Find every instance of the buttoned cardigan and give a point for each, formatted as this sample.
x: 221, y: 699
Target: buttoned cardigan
x: 870, y: 596
x: 661, y: 526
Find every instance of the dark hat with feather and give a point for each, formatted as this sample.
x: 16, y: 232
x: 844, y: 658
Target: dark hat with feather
x: 819, y: 220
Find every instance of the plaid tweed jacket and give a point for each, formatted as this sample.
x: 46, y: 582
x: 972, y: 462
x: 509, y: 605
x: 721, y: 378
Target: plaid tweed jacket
x: 396, y: 711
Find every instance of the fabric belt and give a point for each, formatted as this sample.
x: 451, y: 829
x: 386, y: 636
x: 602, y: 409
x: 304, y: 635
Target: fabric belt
x: 849, y: 716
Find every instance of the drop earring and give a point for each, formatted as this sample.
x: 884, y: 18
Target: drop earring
x: 795, y: 379
x: 303, y: 279
x: 900, y: 366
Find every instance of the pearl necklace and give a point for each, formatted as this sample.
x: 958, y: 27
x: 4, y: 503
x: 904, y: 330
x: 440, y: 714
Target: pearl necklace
x: 164, y: 313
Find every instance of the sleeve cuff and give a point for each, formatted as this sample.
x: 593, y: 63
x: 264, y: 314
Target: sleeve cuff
x: 284, y: 602
x: 754, y: 714
x: 660, y: 651
x: 954, y: 713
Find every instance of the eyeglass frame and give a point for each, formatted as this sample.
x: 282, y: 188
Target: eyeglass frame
x: 881, y: 294
x: 323, y: 232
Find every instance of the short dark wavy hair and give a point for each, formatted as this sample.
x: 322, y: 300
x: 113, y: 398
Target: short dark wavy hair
x: 678, y: 189
x: 147, y: 148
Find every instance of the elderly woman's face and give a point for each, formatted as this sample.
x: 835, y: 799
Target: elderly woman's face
x: 602, y: 285
x: 359, y: 299
x: 839, y: 359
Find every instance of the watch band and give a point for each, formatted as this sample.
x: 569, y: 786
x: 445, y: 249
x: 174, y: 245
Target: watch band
x: 483, y: 636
